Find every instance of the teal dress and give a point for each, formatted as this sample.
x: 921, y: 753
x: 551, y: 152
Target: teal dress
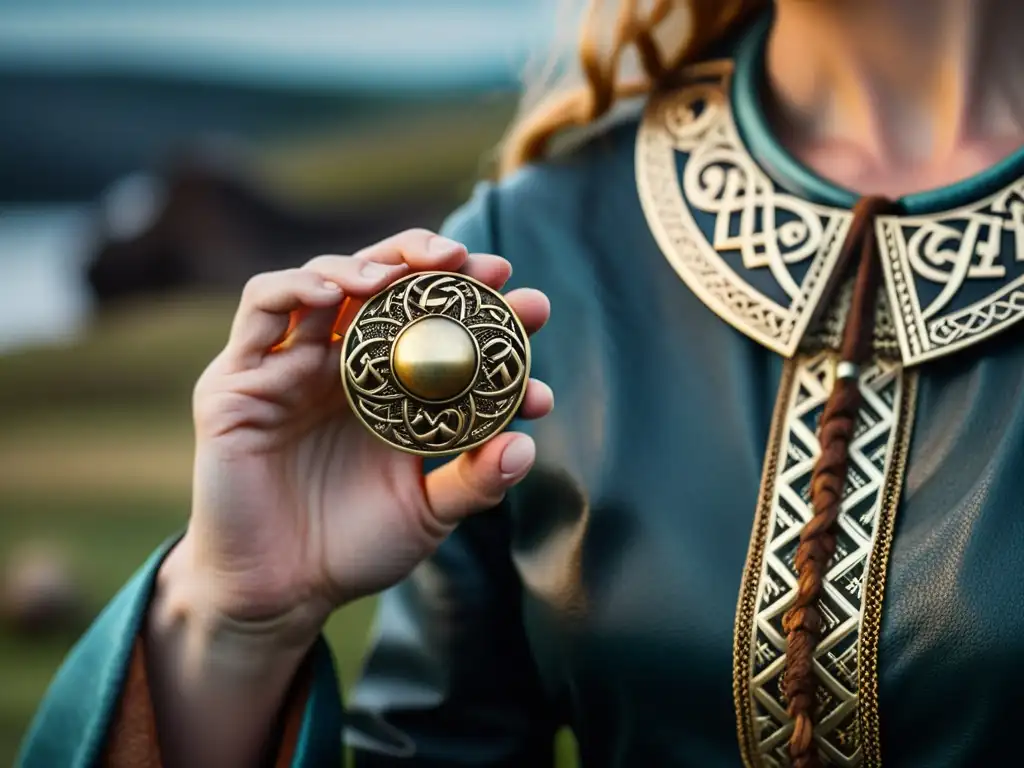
x: 632, y: 587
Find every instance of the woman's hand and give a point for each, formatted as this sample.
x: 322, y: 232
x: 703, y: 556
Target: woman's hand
x: 297, y: 509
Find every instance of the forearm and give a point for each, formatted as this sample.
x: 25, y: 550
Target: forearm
x: 217, y: 686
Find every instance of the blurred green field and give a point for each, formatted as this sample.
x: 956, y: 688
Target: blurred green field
x: 95, y: 456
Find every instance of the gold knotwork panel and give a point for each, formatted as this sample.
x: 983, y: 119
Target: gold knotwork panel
x: 765, y: 260
x: 792, y: 246
x: 956, y: 277
x: 846, y: 658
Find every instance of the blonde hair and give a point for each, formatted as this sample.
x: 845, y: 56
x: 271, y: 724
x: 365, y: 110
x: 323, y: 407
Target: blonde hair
x: 647, y: 44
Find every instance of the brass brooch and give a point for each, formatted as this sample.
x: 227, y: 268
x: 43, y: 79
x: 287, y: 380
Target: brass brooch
x: 435, y: 364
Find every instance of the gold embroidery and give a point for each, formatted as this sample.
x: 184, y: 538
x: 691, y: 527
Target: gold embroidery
x: 828, y: 332
x: 747, y: 606
x: 854, y: 584
x: 770, y: 258
x: 754, y: 225
x: 947, y: 252
x: 878, y: 566
x: 768, y: 263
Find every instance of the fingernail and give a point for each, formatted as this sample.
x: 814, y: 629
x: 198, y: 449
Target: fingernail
x: 329, y: 286
x: 517, y: 457
x: 442, y: 246
x: 373, y: 270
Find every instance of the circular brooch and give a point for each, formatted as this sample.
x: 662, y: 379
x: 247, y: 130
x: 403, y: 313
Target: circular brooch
x: 435, y: 364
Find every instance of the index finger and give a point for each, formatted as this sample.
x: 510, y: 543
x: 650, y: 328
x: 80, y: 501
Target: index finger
x: 421, y: 249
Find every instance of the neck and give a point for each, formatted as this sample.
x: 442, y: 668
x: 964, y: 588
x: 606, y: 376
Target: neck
x: 910, y: 87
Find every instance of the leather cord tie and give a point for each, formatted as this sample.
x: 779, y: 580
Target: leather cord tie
x: 802, y: 622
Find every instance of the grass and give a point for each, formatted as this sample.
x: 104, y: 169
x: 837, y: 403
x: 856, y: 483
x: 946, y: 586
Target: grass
x: 375, y: 158
x: 95, y: 458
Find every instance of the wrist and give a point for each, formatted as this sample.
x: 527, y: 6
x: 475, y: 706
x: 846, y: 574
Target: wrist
x: 218, y: 632
x: 218, y: 677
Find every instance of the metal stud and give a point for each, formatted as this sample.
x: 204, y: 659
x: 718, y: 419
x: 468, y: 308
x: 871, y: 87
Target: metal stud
x: 847, y: 370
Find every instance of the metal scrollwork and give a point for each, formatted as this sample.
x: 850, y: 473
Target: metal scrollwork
x: 846, y: 658
x: 691, y: 162
x: 766, y: 260
x: 488, y: 346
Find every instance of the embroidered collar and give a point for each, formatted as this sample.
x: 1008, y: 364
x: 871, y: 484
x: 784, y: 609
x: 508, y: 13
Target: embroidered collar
x: 757, y: 236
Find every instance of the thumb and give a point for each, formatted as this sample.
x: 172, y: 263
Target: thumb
x: 478, y: 479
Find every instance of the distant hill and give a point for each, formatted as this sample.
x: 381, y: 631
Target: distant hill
x: 93, y: 90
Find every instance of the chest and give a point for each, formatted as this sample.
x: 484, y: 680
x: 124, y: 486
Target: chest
x: 634, y: 537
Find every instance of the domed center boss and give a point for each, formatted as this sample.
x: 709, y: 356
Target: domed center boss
x: 435, y: 364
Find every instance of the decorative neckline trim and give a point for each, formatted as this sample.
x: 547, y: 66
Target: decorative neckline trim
x: 767, y: 260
